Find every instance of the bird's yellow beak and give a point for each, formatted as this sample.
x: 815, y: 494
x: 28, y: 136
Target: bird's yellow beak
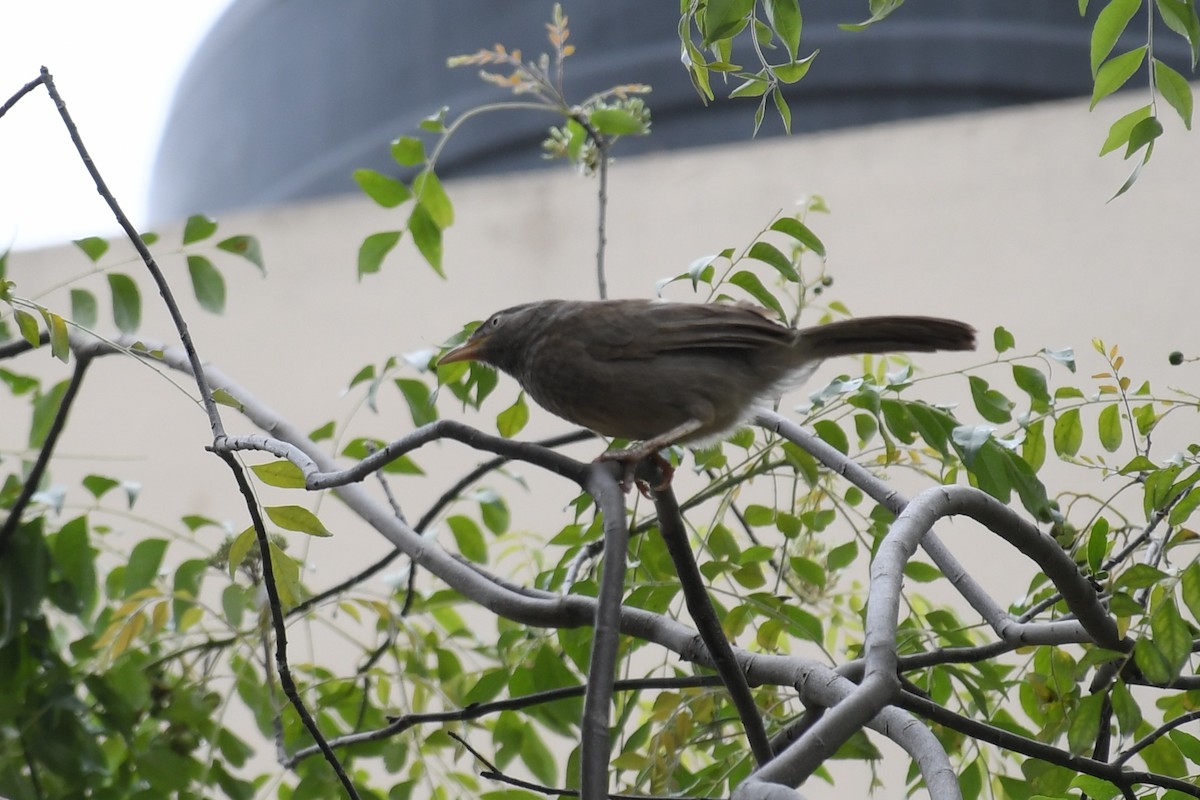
x: 467, y: 351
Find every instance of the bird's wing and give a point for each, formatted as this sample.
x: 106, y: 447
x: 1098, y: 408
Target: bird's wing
x: 673, y: 327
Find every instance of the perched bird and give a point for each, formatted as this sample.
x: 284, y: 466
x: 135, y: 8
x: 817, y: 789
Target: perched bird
x: 673, y: 373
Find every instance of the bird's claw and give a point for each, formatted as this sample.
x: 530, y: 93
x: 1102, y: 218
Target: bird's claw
x: 631, y: 460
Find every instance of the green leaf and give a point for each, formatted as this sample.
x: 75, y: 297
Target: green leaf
x: 144, y: 562
x: 207, y: 283
x: 296, y: 518
x: 45, y: 408
x: 1189, y: 584
x: 240, y: 547
x: 27, y: 324
x: 832, y: 434
x: 98, y: 485
x: 842, y: 556
x: 800, y: 232
x: 786, y: 20
x: 494, y: 513
x: 224, y: 398
x: 785, y: 112
x: 1085, y: 723
x: 724, y: 19
x: 1175, y: 90
x: 430, y: 194
x: 283, y: 474
x: 754, y: 287
x: 991, y: 404
x: 1033, y: 449
x: 513, y: 419
x: 880, y: 10
x: 93, y: 247
x: 427, y: 236
x: 469, y: 538
x: 1118, y: 133
x: 1171, y: 635
x: 408, y: 151
x: 84, y: 309
x: 1068, y: 433
x: 60, y: 345
x: 1110, y: 428
x: 1002, y: 339
x: 198, y: 227
x: 1180, y: 16
x: 791, y: 73
x: 373, y: 249
x: 769, y: 254
x: 1110, y: 24
x: 617, y: 122
x: 245, y: 246
x: 1033, y: 382
x: 1097, y: 546
x: 1113, y: 73
x: 127, y: 302
x: 419, y: 399
x: 385, y: 190
x: 753, y: 86
x: 1143, y: 134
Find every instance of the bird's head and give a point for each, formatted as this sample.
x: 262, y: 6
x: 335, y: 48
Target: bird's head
x: 501, y: 339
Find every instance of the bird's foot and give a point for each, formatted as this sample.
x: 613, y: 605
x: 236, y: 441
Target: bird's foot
x: 631, y: 459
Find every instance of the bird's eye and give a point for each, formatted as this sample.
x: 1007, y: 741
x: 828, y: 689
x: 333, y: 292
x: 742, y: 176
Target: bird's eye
x: 495, y: 321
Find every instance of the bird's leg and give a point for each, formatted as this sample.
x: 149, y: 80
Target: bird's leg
x: 630, y: 456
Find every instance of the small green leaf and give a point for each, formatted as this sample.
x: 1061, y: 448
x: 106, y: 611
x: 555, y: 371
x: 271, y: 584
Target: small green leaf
x: 769, y: 254
x: 127, y: 302
x: 785, y: 112
x: 785, y: 18
x: 1110, y: 24
x: 1171, y: 635
x: 429, y: 193
x: 93, y: 247
x: 283, y: 474
x: 143, y: 565
x: 1113, y: 73
x: 1190, y: 584
x: 224, y: 398
x: 207, y: 284
x: 1118, y: 133
x: 245, y: 246
x: 296, y: 518
x: 753, y: 86
x: 198, y: 227
x: 991, y: 404
x: 1068, y: 433
x: 1085, y: 723
x: 512, y: 420
x: 408, y: 151
x: 1033, y: 382
x: 60, y: 345
x: 373, y: 250
x: 793, y: 72
x: 724, y: 19
x: 754, y: 287
x: 84, y: 309
x: 1002, y: 339
x: 1184, y: 508
x: 98, y: 485
x: 800, y: 232
x: 469, y: 538
x: 1110, y: 428
x: 239, y: 547
x: 27, y: 324
x: 1097, y: 545
x: 385, y: 190
x: 419, y: 399
x: 842, y: 556
x: 832, y: 434
x: 427, y: 236
x: 617, y: 122
x: 1175, y: 90
x: 1180, y: 16
x: 1143, y: 134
